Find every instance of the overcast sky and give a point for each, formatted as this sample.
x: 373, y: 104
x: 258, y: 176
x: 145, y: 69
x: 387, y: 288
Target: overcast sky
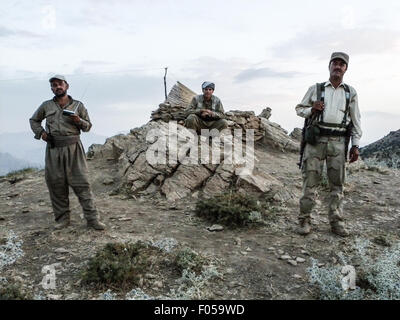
x: 259, y: 54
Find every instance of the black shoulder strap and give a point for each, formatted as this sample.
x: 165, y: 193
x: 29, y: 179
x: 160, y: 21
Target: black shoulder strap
x: 320, y: 96
x: 346, y: 111
x: 321, y: 91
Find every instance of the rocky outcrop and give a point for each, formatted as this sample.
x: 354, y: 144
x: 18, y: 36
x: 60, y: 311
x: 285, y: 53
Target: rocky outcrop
x: 277, y: 137
x: 155, y: 160
x: 162, y: 158
x: 296, y: 134
x: 266, y: 113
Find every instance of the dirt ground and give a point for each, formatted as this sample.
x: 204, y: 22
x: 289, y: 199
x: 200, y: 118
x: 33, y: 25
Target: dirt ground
x: 249, y: 259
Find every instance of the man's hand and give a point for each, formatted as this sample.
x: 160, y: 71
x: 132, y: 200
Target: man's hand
x: 75, y: 119
x: 354, y: 153
x: 44, y: 136
x: 318, y: 106
x: 205, y: 113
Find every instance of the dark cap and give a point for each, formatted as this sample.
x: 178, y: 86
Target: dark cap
x: 208, y: 84
x: 58, y: 77
x: 340, y: 55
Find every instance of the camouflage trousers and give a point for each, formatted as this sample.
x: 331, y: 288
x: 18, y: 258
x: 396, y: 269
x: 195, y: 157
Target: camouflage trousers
x: 64, y: 167
x: 196, y: 123
x: 331, y: 150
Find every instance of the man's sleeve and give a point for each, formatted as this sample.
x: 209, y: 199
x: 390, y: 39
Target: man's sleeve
x: 84, y: 123
x: 303, y: 109
x: 219, y: 111
x: 36, y: 122
x: 192, y: 109
x: 356, y: 119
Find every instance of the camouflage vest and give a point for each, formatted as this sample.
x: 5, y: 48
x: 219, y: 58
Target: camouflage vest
x: 200, y: 102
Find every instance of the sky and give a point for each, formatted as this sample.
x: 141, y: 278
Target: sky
x: 258, y: 53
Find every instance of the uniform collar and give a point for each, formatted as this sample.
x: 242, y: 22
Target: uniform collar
x: 212, y: 98
x: 328, y: 83
x: 69, y: 103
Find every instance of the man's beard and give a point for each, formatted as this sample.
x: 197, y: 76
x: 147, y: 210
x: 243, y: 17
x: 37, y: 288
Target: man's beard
x: 61, y: 94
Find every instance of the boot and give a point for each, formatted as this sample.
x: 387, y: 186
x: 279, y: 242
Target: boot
x: 339, y: 229
x: 305, y: 227
x: 96, y: 225
x: 61, y: 224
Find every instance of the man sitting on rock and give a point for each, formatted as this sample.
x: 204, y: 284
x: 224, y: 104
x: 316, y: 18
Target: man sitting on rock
x: 206, y: 111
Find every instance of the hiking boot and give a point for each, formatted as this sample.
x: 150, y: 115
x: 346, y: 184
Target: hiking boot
x: 339, y: 229
x: 61, y: 224
x: 304, y: 228
x: 96, y: 225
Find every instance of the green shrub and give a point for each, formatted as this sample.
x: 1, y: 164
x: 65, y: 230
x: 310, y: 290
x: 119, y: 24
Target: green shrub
x: 186, y: 258
x: 13, y: 292
x: 119, y: 264
x: 232, y: 209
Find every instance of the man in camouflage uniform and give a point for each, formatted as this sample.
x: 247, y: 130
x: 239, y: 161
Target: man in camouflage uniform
x: 65, y: 157
x: 206, y: 111
x: 333, y: 120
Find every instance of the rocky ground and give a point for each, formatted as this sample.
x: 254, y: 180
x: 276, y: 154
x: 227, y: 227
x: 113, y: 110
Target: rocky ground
x: 267, y: 262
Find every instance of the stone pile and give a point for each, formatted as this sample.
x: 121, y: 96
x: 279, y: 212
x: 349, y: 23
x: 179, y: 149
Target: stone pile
x: 175, y: 178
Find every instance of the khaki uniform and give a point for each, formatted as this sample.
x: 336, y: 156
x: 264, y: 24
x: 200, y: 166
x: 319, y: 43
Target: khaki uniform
x: 65, y: 164
x: 194, y: 121
x: 328, y: 148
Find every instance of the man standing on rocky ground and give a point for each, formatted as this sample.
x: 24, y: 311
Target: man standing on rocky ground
x: 65, y: 157
x: 206, y: 111
x: 332, y: 113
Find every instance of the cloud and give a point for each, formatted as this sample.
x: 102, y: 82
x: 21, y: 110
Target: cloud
x: 250, y: 74
x: 6, y: 32
x: 322, y: 42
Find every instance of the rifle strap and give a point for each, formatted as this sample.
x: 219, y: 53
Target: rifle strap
x: 346, y: 111
x: 321, y: 96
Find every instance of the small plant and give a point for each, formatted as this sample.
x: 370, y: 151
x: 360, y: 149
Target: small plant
x: 10, y: 251
x: 232, y: 209
x: 118, y: 264
x: 327, y: 282
x: 13, y: 292
x: 376, y: 278
x: 190, y: 260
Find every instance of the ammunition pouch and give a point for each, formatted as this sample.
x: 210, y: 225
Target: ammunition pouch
x: 312, y: 132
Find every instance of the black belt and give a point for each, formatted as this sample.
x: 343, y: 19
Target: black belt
x: 63, y: 141
x: 330, y: 132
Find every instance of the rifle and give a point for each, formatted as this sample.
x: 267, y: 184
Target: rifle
x: 307, y: 123
x: 347, y: 141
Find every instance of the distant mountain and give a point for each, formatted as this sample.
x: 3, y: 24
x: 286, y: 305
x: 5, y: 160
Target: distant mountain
x: 23, y: 147
x: 9, y: 163
x: 385, y: 150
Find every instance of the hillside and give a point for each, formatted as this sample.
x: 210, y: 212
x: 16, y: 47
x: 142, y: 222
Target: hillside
x: 385, y: 150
